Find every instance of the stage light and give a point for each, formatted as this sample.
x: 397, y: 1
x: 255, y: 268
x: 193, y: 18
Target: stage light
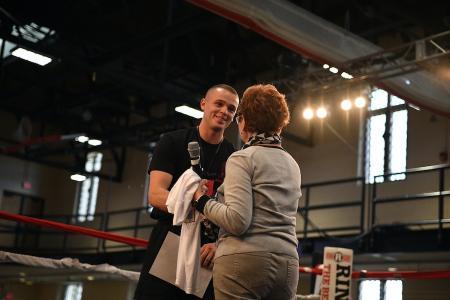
x: 345, y: 75
x: 321, y: 112
x: 346, y: 104
x: 31, y: 56
x: 192, y: 112
x: 414, y: 106
x: 308, y: 113
x: 82, y: 139
x: 94, y: 142
x: 78, y: 177
x: 326, y: 66
x: 334, y: 70
x: 360, y: 102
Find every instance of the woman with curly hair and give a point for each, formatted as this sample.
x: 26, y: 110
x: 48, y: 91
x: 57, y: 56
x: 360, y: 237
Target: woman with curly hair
x: 256, y: 206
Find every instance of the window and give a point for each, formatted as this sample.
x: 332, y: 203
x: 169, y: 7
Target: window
x: 87, y: 189
x: 8, y: 47
x: 369, y: 290
x: 73, y: 291
x: 381, y: 290
x: 393, y: 290
x: 386, y: 136
x: 30, y: 32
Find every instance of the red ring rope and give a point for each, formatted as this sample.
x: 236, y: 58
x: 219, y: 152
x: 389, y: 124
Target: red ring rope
x: 143, y: 243
x: 75, y: 229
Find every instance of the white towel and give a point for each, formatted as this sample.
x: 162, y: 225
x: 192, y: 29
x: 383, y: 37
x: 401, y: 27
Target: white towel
x: 179, y: 204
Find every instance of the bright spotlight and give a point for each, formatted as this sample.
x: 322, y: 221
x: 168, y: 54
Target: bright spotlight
x: 326, y: 66
x: 345, y: 75
x: 82, y: 139
x: 334, y: 70
x: 308, y: 113
x: 78, y: 177
x: 95, y: 142
x: 346, y: 104
x: 31, y: 56
x: 192, y: 112
x: 321, y: 112
x: 360, y: 102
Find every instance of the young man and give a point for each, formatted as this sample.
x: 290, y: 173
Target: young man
x: 169, y: 161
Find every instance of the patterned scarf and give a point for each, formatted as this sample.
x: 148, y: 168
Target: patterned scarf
x: 263, y: 139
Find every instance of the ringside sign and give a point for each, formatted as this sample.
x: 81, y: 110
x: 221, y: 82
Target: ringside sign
x: 336, y: 274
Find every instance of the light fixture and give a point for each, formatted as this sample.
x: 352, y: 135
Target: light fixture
x: 94, y: 142
x: 321, y: 112
x: 345, y: 75
x: 414, y: 106
x: 31, y: 56
x: 82, y: 139
x: 326, y: 66
x: 90, y: 278
x: 392, y: 269
x: 192, y: 112
x: 308, y: 113
x: 407, y: 82
x: 334, y: 70
x: 360, y: 102
x: 78, y: 177
x: 346, y: 104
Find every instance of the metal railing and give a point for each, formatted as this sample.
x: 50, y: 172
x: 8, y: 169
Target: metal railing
x: 307, y: 208
x: 134, y: 221
x: 438, y: 196
x: 30, y: 237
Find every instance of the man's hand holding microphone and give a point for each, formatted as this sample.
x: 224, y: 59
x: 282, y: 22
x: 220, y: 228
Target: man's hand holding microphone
x: 207, y: 251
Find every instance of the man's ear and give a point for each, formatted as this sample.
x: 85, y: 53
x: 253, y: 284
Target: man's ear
x: 202, y: 103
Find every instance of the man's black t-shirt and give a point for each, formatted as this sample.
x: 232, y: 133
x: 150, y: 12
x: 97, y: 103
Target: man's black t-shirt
x: 171, y: 156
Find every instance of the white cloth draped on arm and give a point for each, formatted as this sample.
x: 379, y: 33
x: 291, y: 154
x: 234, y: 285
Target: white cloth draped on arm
x: 179, y: 204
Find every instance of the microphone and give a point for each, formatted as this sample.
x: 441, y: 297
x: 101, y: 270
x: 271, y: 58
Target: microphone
x: 194, y: 153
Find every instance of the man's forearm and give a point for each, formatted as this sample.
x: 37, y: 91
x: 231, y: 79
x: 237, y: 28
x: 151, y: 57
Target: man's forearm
x: 159, y: 199
x: 158, y: 190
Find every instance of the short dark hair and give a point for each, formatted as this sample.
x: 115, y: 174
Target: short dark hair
x: 264, y: 109
x: 225, y: 87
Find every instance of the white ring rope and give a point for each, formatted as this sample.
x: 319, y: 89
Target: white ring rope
x: 65, y: 263
x: 72, y: 263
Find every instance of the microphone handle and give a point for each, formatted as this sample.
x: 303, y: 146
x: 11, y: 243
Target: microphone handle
x: 195, y: 163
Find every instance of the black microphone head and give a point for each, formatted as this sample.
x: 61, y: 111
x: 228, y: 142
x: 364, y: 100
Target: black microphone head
x: 194, y: 149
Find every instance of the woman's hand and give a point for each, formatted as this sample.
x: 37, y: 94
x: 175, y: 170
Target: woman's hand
x: 202, y: 189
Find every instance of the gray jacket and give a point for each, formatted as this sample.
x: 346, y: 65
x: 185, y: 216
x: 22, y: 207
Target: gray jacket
x: 257, y: 203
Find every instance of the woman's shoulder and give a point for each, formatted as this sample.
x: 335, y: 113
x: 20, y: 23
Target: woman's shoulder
x: 241, y: 156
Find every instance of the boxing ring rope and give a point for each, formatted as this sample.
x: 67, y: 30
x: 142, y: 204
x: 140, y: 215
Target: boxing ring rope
x: 75, y: 229
x: 437, y: 274
x: 387, y: 274
x: 65, y: 263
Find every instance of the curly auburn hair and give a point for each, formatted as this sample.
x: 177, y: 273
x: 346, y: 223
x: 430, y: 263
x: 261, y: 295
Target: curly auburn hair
x: 264, y: 109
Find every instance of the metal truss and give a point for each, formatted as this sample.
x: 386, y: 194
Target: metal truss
x: 384, y: 64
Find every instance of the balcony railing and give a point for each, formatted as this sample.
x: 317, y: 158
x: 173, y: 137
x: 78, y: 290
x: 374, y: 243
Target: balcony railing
x: 365, y: 201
